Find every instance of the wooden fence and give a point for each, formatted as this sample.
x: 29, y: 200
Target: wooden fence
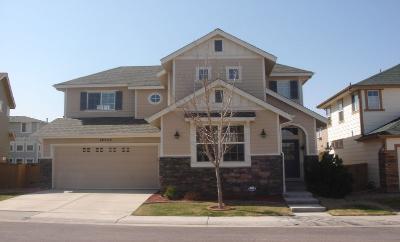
x: 19, y: 175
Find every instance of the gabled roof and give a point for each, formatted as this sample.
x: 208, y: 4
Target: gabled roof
x: 212, y: 34
x: 297, y: 106
x: 219, y: 83
x: 390, y: 76
x: 96, y: 127
x: 130, y: 76
x: 284, y: 70
x: 7, y: 88
x: 24, y: 119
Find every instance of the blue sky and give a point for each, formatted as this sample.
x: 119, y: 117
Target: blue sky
x: 47, y: 42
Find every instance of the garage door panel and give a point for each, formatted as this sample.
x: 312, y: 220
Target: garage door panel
x: 75, y: 169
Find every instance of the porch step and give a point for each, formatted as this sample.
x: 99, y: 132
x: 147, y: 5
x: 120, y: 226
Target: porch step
x: 295, y: 186
x: 306, y: 208
x: 301, y: 200
x: 298, y: 194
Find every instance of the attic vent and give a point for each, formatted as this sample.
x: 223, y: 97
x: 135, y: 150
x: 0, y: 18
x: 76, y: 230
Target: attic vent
x: 218, y: 45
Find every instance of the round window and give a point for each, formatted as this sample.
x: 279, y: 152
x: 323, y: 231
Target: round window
x: 154, y: 98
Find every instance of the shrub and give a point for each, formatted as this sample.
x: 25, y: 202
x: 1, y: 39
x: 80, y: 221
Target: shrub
x: 328, y: 177
x: 171, y: 193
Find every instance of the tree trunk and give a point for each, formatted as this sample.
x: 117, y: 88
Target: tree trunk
x: 219, y: 188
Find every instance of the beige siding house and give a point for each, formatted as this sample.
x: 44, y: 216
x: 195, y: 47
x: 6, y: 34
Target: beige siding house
x: 6, y: 103
x: 127, y: 127
x: 364, y: 126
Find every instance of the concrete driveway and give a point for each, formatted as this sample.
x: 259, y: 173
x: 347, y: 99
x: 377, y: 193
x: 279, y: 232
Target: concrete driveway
x: 88, y: 205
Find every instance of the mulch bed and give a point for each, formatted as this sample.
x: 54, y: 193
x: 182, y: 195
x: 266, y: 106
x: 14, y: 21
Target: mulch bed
x: 158, y: 198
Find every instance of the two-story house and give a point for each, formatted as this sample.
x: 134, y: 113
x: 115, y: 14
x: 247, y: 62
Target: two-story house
x: 25, y: 148
x: 6, y: 103
x: 364, y: 126
x: 126, y: 127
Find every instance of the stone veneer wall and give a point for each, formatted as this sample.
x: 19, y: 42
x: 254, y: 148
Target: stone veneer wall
x: 388, y: 170
x: 45, y: 173
x: 265, y: 174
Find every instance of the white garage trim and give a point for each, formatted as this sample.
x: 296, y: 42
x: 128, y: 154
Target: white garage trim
x: 53, y: 146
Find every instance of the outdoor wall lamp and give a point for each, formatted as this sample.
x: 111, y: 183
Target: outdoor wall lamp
x: 263, y: 134
x: 177, y: 135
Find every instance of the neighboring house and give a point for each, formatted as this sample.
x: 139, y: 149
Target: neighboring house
x: 25, y: 148
x: 364, y: 126
x: 6, y: 103
x: 125, y: 127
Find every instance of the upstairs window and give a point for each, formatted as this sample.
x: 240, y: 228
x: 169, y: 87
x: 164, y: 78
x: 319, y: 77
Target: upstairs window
x: 374, y: 100
x: 286, y: 88
x: 29, y: 147
x: 154, y: 98
x: 218, y: 45
x: 340, y: 110
x: 106, y: 100
x: 328, y: 115
x: 219, y: 96
x: 203, y: 74
x: 23, y: 127
x: 233, y: 73
x: 355, y: 104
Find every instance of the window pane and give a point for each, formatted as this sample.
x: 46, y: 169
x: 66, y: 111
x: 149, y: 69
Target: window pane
x: 218, y: 45
x: 355, y: 102
x: 203, y: 74
x: 219, y: 96
x: 155, y: 98
x: 235, y: 134
x: 108, y: 101
x: 235, y: 152
x: 373, y: 100
x: 93, y: 100
x: 283, y: 88
x: 233, y: 74
x: 202, y: 154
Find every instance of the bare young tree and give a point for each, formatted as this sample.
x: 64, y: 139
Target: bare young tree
x: 213, y: 123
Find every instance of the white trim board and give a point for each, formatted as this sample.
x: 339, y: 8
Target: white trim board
x: 213, y: 85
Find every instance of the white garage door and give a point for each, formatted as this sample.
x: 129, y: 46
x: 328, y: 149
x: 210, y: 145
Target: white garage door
x: 105, y: 167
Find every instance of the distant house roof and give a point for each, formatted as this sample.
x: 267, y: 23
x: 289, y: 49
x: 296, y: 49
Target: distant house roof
x: 95, y: 127
x: 390, y: 76
x: 7, y: 87
x: 131, y: 76
x: 24, y: 119
x: 281, y: 70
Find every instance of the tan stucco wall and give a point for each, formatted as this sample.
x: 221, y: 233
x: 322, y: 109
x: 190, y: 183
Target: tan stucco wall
x: 4, y: 125
x: 252, y: 75
x: 144, y: 108
x: 47, y: 142
x: 268, y: 121
x: 72, y: 104
x: 304, y: 120
x: 174, y: 121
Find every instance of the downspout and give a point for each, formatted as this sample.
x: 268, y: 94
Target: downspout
x: 283, y: 173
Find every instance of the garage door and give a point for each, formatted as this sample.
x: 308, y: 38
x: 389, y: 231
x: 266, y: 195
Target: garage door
x: 103, y: 167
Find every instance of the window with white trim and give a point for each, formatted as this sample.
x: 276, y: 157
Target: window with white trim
x: 283, y: 88
x: 101, y: 100
x: 328, y: 114
x: 20, y: 148
x: 154, y: 98
x: 218, y: 45
x: 203, y: 73
x: 23, y: 127
x: 29, y: 147
x: 355, y: 104
x: 234, y: 144
x: 340, y: 110
x: 373, y: 99
x: 219, y: 96
x: 233, y: 73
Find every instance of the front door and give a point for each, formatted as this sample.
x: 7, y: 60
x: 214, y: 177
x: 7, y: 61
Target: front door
x: 290, y: 149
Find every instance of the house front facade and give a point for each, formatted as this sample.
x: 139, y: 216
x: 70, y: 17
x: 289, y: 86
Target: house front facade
x: 6, y: 103
x: 127, y: 127
x: 364, y: 127
x: 25, y: 148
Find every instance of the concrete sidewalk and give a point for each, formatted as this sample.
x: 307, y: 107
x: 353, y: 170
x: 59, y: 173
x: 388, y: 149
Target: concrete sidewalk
x: 299, y: 220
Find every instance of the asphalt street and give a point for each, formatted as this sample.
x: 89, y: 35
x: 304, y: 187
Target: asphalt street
x: 28, y: 231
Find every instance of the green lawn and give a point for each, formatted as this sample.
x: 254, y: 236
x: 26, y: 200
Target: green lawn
x: 200, y: 209
x: 364, y: 207
x: 392, y: 202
